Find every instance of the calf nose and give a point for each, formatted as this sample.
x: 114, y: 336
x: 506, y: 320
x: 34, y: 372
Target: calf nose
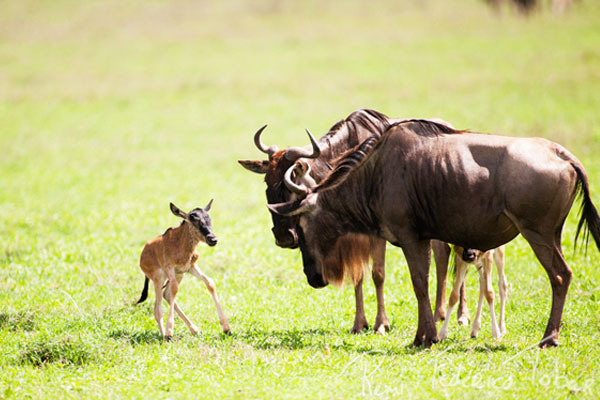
x: 469, y: 255
x: 211, y: 240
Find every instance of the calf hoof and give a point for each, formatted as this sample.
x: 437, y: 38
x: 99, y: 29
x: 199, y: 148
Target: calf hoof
x: 439, y: 316
x: 464, y: 320
x: 227, y: 332
x: 168, y: 338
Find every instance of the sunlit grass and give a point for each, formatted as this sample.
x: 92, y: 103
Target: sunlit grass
x: 108, y: 111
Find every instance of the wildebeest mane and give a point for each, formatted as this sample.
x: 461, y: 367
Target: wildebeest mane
x: 428, y: 127
x: 371, y: 120
x: 347, y: 162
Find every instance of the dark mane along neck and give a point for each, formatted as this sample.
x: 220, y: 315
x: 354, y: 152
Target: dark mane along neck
x: 351, y: 131
x: 426, y: 127
x: 348, y: 162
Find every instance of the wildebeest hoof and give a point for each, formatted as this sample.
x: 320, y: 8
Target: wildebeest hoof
x: 168, y: 338
x: 227, y: 332
x: 548, y: 343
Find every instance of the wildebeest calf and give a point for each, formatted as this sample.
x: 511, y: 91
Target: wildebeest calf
x: 483, y: 262
x: 167, y: 257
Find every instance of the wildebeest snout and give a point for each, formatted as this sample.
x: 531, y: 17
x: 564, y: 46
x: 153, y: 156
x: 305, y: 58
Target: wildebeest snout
x: 287, y: 238
x: 469, y: 255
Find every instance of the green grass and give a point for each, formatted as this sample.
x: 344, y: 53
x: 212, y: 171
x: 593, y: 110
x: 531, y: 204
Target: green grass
x: 108, y: 111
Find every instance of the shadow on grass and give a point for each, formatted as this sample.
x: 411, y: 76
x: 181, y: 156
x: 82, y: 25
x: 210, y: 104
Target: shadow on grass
x: 296, y: 339
x: 137, y: 338
x: 63, y: 352
x: 19, y: 321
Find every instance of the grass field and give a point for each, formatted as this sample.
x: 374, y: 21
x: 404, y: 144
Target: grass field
x: 109, y: 110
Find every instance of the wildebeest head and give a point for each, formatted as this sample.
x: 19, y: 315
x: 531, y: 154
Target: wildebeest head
x: 274, y: 169
x: 315, y: 236
x: 200, y: 220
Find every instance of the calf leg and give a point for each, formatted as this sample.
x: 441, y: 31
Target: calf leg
x: 486, y: 290
x: 461, y: 271
x: 360, y: 319
x: 172, y: 287
x: 463, y: 313
x: 418, y: 255
x: 193, y: 328
x: 158, y: 313
x: 378, y: 254
x: 441, y: 254
x: 212, y: 289
x: 549, y: 253
x: 503, y: 286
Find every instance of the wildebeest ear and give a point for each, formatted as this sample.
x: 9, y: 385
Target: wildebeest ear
x: 258, y: 166
x: 296, y: 207
x: 177, y: 212
x: 207, y: 208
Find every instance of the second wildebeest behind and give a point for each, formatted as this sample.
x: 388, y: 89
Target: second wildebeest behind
x: 418, y: 181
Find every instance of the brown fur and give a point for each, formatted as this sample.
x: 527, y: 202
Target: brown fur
x: 349, y: 259
x: 165, y: 259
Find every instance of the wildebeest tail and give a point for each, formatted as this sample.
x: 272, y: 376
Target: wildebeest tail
x: 144, y: 292
x: 588, y: 212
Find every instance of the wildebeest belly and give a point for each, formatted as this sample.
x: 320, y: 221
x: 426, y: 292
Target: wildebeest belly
x: 481, y: 235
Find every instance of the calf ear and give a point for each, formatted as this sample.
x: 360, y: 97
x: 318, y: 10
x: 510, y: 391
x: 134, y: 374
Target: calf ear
x: 207, y: 208
x: 296, y: 207
x: 177, y: 212
x: 258, y: 166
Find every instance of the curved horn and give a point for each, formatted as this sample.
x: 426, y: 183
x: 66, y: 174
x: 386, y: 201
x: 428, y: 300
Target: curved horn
x: 267, y: 150
x: 294, y: 153
x: 291, y: 185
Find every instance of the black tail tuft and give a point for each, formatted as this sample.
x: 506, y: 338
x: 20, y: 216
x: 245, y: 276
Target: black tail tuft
x: 588, y: 212
x: 144, y: 292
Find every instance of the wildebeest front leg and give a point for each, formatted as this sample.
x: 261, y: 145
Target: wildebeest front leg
x: 360, y: 319
x: 418, y: 255
x: 549, y: 253
x: 378, y: 254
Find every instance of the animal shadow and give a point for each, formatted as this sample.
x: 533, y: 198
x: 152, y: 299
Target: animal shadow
x: 137, y: 338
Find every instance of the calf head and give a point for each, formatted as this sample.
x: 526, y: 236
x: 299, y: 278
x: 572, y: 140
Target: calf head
x: 274, y: 169
x: 200, y: 220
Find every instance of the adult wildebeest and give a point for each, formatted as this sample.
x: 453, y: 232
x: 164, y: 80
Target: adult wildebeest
x: 420, y: 180
x: 352, y: 252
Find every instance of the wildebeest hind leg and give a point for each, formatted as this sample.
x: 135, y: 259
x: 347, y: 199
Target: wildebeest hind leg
x: 549, y: 253
x: 417, y: 256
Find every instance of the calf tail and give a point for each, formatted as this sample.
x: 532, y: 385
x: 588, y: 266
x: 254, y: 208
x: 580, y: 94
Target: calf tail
x: 144, y: 292
x: 588, y: 212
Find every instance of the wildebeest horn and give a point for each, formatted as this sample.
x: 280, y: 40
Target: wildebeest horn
x: 294, y: 153
x: 291, y: 185
x: 267, y: 150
